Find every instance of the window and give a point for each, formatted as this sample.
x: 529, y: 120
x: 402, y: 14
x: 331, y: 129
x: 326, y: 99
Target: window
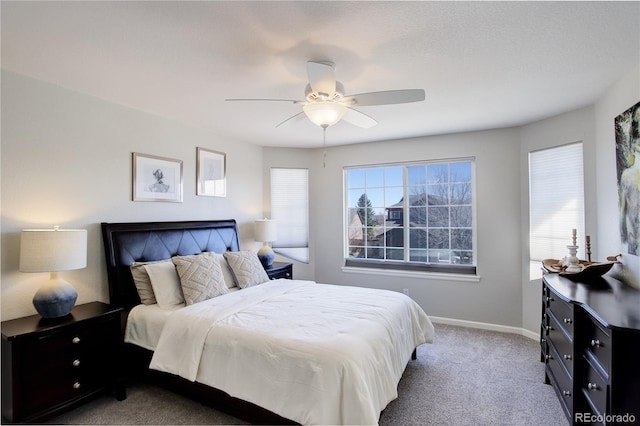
x: 556, y: 203
x: 416, y: 216
x: 290, y: 210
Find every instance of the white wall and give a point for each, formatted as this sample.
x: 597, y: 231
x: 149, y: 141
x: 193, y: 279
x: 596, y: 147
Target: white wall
x: 620, y: 97
x: 594, y: 125
x: 66, y: 160
x: 497, y: 297
x: 301, y: 159
x: 575, y: 126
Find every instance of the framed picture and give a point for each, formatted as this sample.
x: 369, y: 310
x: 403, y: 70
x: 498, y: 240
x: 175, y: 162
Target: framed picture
x: 156, y: 178
x: 211, y: 173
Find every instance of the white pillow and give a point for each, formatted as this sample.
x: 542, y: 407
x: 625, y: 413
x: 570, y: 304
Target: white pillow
x: 165, y: 283
x: 246, y: 267
x: 200, y: 277
x: 227, y: 273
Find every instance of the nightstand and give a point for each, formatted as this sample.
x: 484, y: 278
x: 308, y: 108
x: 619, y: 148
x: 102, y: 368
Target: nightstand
x: 280, y: 270
x: 52, y: 365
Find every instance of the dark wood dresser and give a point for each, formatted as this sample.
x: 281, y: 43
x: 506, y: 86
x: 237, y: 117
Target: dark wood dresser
x: 49, y: 366
x: 590, y: 343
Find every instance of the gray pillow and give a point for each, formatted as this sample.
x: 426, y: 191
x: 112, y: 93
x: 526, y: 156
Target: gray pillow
x: 246, y: 267
x: 201, y: 277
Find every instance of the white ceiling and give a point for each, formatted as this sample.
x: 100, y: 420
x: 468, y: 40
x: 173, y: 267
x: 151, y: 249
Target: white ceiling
x: 482, y: 64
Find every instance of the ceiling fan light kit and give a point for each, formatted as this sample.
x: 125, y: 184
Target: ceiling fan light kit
x: 326, y: 104
x: 324, y: 113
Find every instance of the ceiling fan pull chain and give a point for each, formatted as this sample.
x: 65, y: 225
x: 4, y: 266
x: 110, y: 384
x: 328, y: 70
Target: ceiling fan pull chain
x: 324, y: 146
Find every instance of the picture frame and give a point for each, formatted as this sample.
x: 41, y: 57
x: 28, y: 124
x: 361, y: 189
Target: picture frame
x: 211, y: 173
x: 156, y: 178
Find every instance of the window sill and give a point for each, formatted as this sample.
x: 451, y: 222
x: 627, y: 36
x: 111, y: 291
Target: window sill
x: 440, y: 276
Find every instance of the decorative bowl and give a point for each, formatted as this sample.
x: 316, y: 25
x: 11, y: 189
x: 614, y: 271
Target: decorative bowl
x: 590, y: 270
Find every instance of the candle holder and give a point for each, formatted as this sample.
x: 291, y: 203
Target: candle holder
x: 573, y: 263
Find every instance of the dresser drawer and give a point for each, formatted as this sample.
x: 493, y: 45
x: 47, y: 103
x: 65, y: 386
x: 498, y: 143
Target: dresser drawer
x: 561, y: 343
x: 562, y: 380
x: 598, y: 341
x: 563, y: 311
x: 594, y: 388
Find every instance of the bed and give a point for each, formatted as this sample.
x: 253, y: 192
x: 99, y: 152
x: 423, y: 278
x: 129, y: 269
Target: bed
x: 267, y: 351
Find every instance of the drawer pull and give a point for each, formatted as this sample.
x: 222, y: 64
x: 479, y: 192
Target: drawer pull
x: 593, y: 386
x: 76, y: 385
x: 548, y: 357
x: 550, y: 299
x: 596, y: 343
x: 567, y: 357
x: 543, y: 340
x: 567, y: 320
x: 566, y: 393
x: 76, y: 362
x: 548, y: 328
x: 75, y: 340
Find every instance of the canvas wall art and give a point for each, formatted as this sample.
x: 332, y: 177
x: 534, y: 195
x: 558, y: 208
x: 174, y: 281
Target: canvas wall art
x: 627, y: 128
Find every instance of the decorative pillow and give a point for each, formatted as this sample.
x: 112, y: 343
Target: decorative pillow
x: 200, y: 277
x: 165, y: 283
x: 246, y: 267
x: 143, y: 283
x: 227, y: 273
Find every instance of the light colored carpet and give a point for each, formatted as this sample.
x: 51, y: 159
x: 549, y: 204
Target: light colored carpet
x: 466, y: 377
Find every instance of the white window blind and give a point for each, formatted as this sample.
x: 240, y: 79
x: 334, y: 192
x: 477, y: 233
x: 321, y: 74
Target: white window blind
x: 556, y: 202
x: 290, y: 210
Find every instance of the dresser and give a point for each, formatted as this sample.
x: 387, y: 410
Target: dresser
x: 52, y: 365
x: 590, y: 344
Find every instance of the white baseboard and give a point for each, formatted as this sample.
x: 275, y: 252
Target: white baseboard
x: 486, y: 326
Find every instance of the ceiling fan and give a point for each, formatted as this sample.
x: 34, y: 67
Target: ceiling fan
x: 326, y: 103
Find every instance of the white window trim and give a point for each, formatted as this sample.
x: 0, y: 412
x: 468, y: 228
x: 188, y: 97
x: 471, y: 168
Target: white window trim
x: 380, y: 270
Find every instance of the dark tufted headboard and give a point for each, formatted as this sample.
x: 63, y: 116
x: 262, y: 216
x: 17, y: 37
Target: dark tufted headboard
x: 125, y: 243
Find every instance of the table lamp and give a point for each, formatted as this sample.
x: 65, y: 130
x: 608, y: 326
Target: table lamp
x: 53, y: 250
x: 266, y: 232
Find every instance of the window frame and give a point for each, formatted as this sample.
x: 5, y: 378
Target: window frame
x: 405, y: 266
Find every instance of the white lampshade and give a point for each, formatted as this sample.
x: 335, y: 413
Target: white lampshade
x: 324, y: 113
x: 53, y: 250
x: 265, y: 230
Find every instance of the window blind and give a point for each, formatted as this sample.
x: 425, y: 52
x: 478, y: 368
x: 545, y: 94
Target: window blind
x: 290, y: 209
x: 556, y: 201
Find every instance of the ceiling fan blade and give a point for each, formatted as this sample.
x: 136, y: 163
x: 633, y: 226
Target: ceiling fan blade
x: 322, y: 78
x: 385, y: 98
x: 358, y: 118
x: 269, y: 100
x: 299, y: 116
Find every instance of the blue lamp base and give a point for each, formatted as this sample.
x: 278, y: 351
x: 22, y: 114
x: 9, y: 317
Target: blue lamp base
x: 266, y: 255
x: 55, y: 299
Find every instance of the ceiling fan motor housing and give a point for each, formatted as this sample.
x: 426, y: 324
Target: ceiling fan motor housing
x: 336, y: 96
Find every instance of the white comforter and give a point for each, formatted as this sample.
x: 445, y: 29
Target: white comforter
x: 312, y: 353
